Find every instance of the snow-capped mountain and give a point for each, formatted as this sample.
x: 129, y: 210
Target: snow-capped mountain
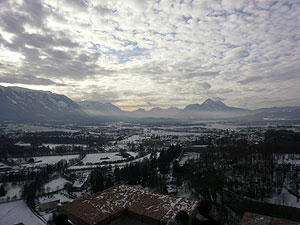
x: 98, y: 106
x: 20, y: 104
x: 211, y: 106
x: 24, y: 104
x: 156, y: 110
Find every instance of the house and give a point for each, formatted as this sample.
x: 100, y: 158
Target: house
x: 81, y: 181
x: 48, y: 202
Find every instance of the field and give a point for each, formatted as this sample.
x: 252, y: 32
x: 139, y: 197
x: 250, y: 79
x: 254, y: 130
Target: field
x: 17, y: 212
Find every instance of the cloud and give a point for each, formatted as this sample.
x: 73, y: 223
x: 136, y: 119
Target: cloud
x: 204, y: 85
x: 201, y: 74
x: 149, y: 104
x: 137, y: 51
x: 236, y: 54
x: 28, y: 79
x: 251, y: 79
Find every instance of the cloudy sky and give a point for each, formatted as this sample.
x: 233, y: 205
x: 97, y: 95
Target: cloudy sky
x: 148, y: 53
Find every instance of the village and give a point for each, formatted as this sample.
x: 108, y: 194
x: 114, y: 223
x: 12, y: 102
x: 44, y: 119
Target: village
x: 48, y: 165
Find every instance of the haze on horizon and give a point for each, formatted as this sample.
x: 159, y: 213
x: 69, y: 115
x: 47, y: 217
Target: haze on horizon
x: 154, y: 53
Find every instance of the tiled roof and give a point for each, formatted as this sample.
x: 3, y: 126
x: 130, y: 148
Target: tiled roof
x: 147, y: 206
x: 256, y: 219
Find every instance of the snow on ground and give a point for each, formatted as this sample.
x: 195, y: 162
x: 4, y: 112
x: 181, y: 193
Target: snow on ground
x: 46, y: 160
x: 285, y: 198
x: 145, y: 157
x: 63, y: 197
x: 17, y: 212
x: 23, y: 144
x: 12, y: 191
x: 101, y: 157
x: 188, y: 156
x: 163, y: 133
x: 52, y: 159
x: 53, y: 146
x: 133, y: 139
x: 34, y: 128
x: 133, y: 154
x: 295, y: 162
x: 47, y: 215
x: 55, y: 184
x: 83, y: 167
x: 112, y: 164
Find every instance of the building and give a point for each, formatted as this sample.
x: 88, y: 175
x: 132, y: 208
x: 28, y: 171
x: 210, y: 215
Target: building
x: 46, y: 203
x: 123, y: 200
x: 256, y: 219
x: 81, y: 181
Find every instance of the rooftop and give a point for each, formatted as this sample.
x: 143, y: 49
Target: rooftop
x: 256, y: 219
x: 145, y: 206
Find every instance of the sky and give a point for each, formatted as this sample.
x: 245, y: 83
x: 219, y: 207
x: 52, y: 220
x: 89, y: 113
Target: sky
x: 154, y: 53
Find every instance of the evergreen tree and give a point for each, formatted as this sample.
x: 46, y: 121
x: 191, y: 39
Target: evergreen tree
x: 2, y: 191
x: 97, y: 181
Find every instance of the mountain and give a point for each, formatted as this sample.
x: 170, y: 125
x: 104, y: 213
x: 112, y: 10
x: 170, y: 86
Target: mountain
x: 279, y: 109
x: 22, y: 104
x: 211, y: 106
x: 139, y: 110
x: 275, y: 113
x: 98, y: 106
x: 156, y: 110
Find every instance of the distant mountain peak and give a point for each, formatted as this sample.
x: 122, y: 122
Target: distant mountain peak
x: 98, y: 106
x: 140, y: 110
x: 156, y: 109
x: 208, y: 101
x: 209, y: 105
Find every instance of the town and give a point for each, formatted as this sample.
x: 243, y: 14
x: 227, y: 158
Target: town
x: 44, y: 166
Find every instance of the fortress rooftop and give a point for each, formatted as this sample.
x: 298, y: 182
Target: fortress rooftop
x: 145, y: 206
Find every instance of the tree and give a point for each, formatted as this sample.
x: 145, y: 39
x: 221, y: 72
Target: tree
x: 210, y: 184
x: 176, y: 168
x: 97, y: 181
x: 2, y: 191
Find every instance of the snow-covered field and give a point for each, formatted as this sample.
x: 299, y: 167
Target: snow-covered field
x: 112, y: 164
x: 108, y: 157
x: 55, y: 184
x: 50, y: 160
x: 53, y: 146
x: 188, y: 156
x: 12, y: 191
x: 133, y: 139
x: 17, y: 212
x: 101, y: 157
x: 133, y: 154
x: 34, y: 128
x: 174, y: 133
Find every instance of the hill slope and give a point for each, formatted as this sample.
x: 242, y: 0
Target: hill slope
x: 25, y: 104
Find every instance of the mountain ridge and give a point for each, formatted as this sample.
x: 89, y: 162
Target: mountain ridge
x: 26, y: 104
x: 18, y: 103
x: 210, y: 105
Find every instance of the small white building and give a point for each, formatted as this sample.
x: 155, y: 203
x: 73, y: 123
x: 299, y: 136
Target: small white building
x: 80, y: 182
x: 48, y: 202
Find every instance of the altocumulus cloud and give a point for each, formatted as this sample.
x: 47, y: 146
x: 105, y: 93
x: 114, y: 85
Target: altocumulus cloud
x: 179, y: 52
